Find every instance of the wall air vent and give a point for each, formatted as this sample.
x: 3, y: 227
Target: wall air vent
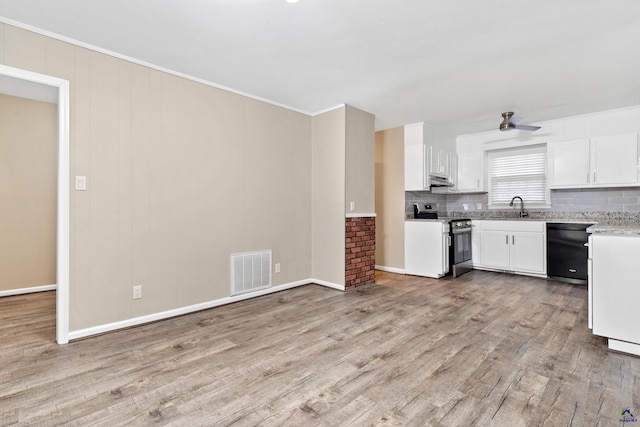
x: 250, y: 271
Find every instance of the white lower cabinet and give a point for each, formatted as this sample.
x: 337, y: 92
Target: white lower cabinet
x: 426, y: 248
x: 529, y: 252
x: 515, y: 246
x: 495, y: 249
x: 614, y: 290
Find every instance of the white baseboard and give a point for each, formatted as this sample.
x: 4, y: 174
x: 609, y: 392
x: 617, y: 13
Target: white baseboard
x: 329, y: 284
x: 109, y: 327
x: 390, y: 269
x: 31, y: 290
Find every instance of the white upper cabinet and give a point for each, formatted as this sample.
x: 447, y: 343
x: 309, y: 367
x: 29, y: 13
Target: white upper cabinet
x: 415, y: 177
x: 614, y: 159
x: 439, y: 161
x: 604, y: 161
x: 422, y: 160
x: 452, y: 170
x: 470, y: 172
x: 569, y: 163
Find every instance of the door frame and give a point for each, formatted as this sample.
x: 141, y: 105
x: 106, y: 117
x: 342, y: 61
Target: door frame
x: 63, y: 205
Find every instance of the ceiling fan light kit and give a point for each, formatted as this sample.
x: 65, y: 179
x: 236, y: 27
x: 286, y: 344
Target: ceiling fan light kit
x: 509, y: 123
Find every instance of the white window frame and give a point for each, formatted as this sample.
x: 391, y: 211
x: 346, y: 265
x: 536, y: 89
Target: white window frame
x: 520, y: 151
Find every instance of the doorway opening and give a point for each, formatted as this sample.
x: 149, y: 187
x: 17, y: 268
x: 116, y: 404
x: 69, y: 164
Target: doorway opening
x: 40, y: 87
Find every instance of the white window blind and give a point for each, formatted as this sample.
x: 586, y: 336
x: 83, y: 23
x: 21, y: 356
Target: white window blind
x: 518, y: 172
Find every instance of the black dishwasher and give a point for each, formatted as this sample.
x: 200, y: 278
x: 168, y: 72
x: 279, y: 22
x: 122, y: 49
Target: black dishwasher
x: 566, y: 252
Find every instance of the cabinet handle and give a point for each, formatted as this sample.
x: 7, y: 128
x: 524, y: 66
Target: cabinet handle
x: 478, y: 184
x: 594, y: 177
x: 513, y: 239
x: 506, y: 242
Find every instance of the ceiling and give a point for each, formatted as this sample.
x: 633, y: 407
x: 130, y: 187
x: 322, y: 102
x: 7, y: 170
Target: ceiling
x: 454, y: 64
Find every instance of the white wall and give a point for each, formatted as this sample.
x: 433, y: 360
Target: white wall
x: 180, y: 176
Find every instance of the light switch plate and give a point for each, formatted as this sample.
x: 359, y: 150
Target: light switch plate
x: 81, y: 183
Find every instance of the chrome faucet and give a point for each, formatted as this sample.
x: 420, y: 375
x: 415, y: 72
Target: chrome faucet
x: 523, y: 213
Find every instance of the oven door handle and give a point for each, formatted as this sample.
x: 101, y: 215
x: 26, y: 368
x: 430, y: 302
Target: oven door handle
x: 461, y: 230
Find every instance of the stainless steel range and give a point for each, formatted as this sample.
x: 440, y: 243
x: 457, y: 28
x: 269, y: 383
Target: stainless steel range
x: 460, y: 237
x: 460, y: 249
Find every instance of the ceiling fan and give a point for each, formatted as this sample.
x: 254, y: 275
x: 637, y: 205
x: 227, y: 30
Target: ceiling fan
x: 511, y: 122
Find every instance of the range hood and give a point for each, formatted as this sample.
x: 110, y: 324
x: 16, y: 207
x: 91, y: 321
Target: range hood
x: 439, y: 181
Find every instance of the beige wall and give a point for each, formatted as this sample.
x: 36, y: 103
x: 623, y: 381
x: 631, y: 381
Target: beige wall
x: 180, y: 175
x: 28, y: 194
x: 360, y: 163
x: 389, y: 180
x: 328, y: 169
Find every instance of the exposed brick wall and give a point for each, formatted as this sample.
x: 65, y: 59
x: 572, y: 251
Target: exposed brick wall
x: 360, y: 251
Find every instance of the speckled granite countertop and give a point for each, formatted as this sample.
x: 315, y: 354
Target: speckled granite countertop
x: 428, y: 220
x: 614, y: 229
x: 619, y: 220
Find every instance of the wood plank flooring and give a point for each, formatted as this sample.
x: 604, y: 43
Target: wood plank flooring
x: 483, y: 349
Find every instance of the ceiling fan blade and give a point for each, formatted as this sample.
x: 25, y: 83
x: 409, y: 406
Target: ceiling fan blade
x: 525, y: 127
x: 515, y: 120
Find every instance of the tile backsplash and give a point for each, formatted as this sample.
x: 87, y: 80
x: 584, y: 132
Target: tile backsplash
x: 573, y: 201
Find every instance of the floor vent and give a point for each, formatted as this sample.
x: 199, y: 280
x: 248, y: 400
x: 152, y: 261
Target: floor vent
x: 250, y: 271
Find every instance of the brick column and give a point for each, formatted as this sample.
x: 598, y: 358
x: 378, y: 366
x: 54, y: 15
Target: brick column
x: 360, y: 250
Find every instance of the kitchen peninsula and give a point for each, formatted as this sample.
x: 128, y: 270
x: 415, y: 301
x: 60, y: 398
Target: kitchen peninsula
x: 613, y: 285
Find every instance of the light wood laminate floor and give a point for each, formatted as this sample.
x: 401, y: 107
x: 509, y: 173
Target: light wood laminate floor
x: 484, y: 349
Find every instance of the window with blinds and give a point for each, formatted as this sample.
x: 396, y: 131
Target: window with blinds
x: 518, y: 172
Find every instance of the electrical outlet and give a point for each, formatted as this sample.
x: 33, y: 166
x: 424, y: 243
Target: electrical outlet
x: 479, y: 206
x: 276, y: 268
x: 352, y: 206
x: 81, y: 183
x: 137, y: 292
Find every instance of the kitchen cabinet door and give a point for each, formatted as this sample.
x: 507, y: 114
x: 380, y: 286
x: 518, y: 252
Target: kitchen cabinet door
x: 528, y: 252
x: 614, y: 159
x: 515, y: 246
x: 414, y: 158
x: 615, y: 287
x: 453, y: 171
x: 470, y: 168
x: 590, y: 282
x: 569, y: 164
x: 439, y: 161
x: 426, y: 248
x: 494, y: 249
x: 453, y: 168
